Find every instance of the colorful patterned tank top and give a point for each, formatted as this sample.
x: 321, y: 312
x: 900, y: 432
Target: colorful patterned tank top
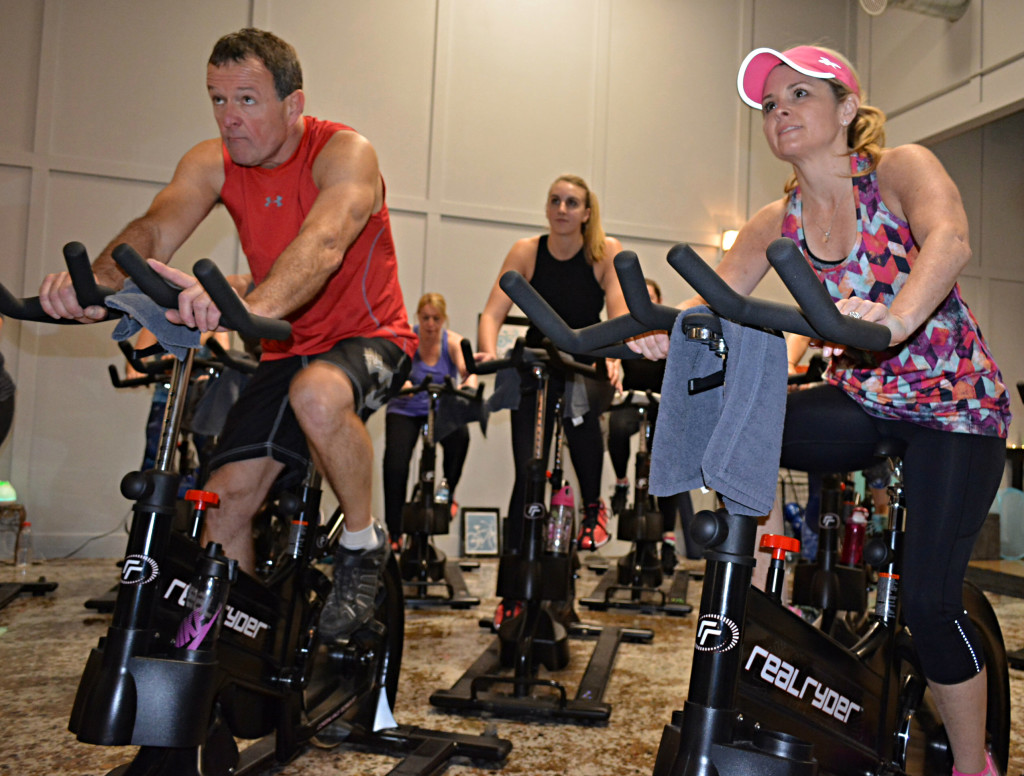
x: 944, y: 376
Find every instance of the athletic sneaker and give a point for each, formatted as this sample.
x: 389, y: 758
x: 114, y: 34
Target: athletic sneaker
x: 990, y: 768
x: 619, y: 497
x: 594, y: 527
x: 357, y: 578
x: 508, y: 609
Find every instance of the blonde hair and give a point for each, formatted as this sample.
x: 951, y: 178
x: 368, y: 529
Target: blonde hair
x: 866, y: 134
x: 434, y: 300
x: 593, y: 232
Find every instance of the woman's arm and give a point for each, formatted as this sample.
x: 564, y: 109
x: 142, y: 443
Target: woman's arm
x: 522, y: 258
x: 455, y: 354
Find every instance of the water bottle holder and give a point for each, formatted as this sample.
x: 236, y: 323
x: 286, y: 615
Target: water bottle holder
x: 417, y: 519
x: 645, y: 528
x: 851, y: 593
x: 545, y: 579
x: 173, y: 700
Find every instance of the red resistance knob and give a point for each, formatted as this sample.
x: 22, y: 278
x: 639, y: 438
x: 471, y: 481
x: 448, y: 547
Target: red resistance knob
x: 780, y: 545
x: 201, y: 499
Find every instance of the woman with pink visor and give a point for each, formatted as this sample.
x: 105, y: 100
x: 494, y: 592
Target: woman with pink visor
x: 886, y: 232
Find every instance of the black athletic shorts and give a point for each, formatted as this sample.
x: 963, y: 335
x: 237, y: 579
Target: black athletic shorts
x: 261, y: 423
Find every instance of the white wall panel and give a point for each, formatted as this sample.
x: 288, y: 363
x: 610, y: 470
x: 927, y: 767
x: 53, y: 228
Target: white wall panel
x: 370, y: 65
x: 1004, y: 336
x: 131, y: 77
x: 673, y: 116
x: 520, y: 105
x: 20, y: 31
x: 14, y: 194
x: 409, y: 231
x: 1000, y: 32
x: 473, y: 254
x: 1002, y: 169
x: 914, y: 55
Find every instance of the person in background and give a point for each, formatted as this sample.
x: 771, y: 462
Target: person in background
x: 571, y: 268
x: 644, y: 375
x: 439, y: 356
x: 886, y: 232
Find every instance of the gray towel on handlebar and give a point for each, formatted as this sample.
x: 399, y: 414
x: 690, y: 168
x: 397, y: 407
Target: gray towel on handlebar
x: 727, y: 438
x: 140, y: 311
x: 455, y: 411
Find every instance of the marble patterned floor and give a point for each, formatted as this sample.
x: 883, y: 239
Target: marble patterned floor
x: 44, y: 642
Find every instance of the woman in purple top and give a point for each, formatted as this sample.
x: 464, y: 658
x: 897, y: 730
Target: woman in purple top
x: 439, y: 356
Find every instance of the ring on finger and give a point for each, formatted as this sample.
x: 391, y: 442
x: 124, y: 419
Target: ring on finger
x: 854, y: 314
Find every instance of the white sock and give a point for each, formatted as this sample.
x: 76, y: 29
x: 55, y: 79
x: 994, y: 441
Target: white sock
x: 366, y: 539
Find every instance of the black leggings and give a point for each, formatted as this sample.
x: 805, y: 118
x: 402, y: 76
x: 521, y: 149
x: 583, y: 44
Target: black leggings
x: 400, y: 435
x: 586, y: 448
x: 622, y: 424
x: 950, y: 480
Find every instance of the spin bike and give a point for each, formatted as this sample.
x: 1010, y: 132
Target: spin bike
x: 636, y: 583
x: 422, y: 565
x: 539, y: 573
x: 770, y: 693
x: 199, y: 654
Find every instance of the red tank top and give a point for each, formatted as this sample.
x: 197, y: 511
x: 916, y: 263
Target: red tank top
x: 362, y: 298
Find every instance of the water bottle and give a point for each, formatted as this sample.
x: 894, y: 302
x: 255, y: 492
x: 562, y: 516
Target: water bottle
x: 561, y: 522
x: 793, y: 514
x: 853, y: 538
x: 443, y: 492
x: 23, y: 549
x: 206, y: 600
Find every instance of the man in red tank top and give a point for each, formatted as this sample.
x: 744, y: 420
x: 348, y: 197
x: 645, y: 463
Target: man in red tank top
x: 307, y: 198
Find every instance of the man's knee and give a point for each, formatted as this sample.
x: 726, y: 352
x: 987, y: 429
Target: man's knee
x: 321, y: 395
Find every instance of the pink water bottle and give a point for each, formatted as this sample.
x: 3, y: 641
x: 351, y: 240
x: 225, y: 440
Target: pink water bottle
x: 561, y: 522
x: 853, y: 538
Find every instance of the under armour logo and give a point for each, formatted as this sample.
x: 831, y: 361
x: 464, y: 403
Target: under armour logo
x: 829, y: 63
x: 278, y: 200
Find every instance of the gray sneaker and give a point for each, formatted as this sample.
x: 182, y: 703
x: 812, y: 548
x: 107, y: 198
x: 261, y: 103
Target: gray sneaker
x: 357, y: 578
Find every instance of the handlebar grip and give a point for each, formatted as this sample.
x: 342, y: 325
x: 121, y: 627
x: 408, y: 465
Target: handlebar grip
x: 145, y: 277
x: 233, y: 312
x: 591, y: 340
x: 516, y: 358
x: 654, y: 317
x: 129, y: 382
x: 88, y: 292
x: 832, y: 326
x: 728, y: 303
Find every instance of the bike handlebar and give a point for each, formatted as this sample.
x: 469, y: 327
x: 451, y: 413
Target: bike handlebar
x: 594, y: 340
x: 84, y: 282
x: 448, y: 386
x: 521, y: 355
x: 816, y: 316
x: 233, y: 312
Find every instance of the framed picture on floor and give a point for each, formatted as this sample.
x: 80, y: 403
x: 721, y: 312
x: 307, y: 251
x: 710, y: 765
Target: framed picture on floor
x: 481, y: 532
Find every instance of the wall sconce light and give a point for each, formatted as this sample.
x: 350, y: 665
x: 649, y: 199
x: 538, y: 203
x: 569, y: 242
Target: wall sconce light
x: 728, y: 238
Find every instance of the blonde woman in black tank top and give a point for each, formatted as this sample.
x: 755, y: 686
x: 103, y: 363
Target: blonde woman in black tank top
x: 575, y: 243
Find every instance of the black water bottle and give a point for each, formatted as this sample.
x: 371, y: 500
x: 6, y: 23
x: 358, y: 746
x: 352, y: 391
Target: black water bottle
x: 206, y: 600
